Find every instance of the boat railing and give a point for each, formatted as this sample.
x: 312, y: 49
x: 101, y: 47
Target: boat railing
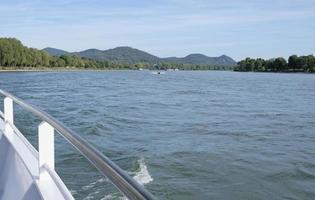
x: 46, y: 154
x: 1, y: 114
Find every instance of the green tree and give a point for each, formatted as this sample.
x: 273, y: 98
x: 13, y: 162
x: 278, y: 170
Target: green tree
x: 280, y: 64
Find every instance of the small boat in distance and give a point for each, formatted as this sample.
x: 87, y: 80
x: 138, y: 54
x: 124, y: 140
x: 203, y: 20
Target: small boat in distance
x: 158, y: 72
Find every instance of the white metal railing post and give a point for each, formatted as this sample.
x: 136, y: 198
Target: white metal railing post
x: 46, y: 149
x: 8, y: 114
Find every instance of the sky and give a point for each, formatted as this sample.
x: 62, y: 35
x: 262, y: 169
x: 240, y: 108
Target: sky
x: 237, y: 28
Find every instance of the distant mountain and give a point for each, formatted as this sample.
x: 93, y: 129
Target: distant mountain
x: 55, y: 52
x: 119, y: 54
x: 202, y: 59
x: 131, y: 55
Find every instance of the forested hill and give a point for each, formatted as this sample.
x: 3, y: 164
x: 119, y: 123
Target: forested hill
x: 14, y: 55
x: 56, y: 52
x: 202, y: 59
x: 119, y: 54
x: 131, y: 56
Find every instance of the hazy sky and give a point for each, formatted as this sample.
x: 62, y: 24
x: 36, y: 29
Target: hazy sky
x: 238, y: 28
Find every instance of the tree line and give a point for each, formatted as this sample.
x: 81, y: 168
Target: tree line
x: 13, y: 54
x: 293, y: 64
x: 182, y: 66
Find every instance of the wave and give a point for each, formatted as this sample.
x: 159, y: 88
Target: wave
x: 91, y: 185
x: 143, y: 176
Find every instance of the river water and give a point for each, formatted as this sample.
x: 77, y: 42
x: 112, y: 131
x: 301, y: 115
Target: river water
x: 184, y: 135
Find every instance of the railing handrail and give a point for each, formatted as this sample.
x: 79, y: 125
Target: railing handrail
x: 126, y: 184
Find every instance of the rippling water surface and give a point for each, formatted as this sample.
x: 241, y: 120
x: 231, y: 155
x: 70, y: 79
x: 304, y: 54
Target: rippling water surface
x: 184, y: 135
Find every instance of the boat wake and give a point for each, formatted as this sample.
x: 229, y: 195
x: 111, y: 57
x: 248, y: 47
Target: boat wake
x: 142, y: 175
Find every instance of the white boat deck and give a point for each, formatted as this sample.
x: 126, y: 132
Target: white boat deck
x: 20, y: 177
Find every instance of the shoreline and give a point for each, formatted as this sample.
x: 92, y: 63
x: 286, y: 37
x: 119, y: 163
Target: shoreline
x: 108, y: 70
x: 53, y: 70
x: 72, y: 69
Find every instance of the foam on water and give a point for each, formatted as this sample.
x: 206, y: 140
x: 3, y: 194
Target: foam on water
x: 91, y: 185
x: 143, y: 176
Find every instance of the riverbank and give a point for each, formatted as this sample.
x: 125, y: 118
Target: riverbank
x: 46, y: 69
x: 71, y: 69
